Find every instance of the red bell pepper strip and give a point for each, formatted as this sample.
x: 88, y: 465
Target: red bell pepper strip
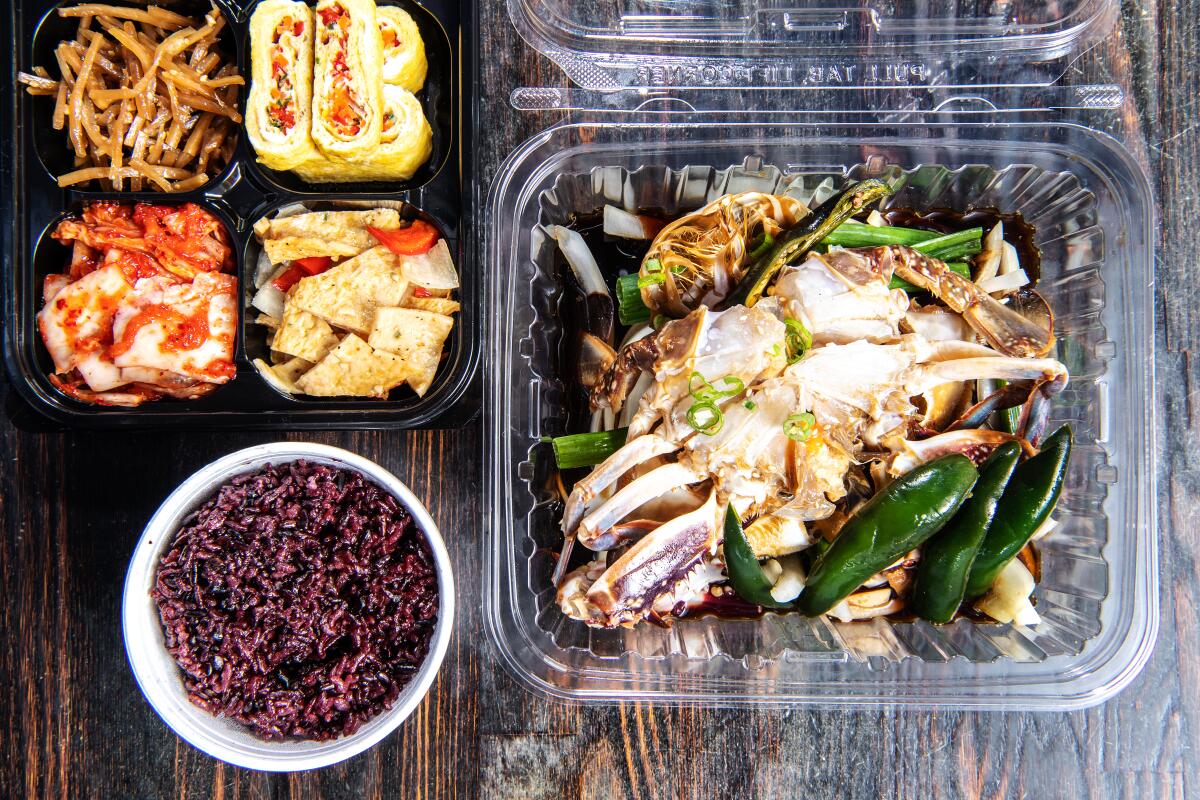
x: 288, y: 278
x: 416, y: 239
x: 314, y: 265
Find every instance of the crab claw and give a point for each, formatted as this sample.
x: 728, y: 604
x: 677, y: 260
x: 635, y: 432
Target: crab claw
x: 1007, y: 396
x: 656, y: 565
x: 975, y: 444
x: 1035, y: 413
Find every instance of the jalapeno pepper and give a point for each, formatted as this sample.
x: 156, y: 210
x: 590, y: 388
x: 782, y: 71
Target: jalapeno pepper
x: 1031, y: 495
x: 947, y: 557
x: 745, y: 573
x: 797, y: 241
x: 901, y: 517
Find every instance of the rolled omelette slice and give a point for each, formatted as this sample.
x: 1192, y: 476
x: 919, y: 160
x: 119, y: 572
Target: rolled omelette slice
x: 405, y: 144
x: 279, y: 108
x: 347, y: 80
x: 404, y: 61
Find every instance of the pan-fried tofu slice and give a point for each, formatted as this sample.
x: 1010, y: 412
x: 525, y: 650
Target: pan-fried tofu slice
x: 415, y: 336
x: 283, y: 376
x: 436, y: 305
x: 303, y: 335
x: 347, y: 295
x: 354, y: 369
x: 323, y: 233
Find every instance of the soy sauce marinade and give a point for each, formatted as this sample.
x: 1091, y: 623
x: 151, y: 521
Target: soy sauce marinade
x: 617, y: 257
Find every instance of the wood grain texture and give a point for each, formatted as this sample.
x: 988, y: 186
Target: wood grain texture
x: 73, y: 724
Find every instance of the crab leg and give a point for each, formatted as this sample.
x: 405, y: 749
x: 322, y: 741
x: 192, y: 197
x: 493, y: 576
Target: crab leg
x: 635, y: 452
x: 595, y: 531
x: 655, y: 564
x: 977, y: 444
x: 1004, y: 328
x: 927, y: 375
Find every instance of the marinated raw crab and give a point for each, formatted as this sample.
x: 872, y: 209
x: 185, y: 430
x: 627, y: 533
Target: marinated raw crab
x: 701, y: 256
x: 829, y: 402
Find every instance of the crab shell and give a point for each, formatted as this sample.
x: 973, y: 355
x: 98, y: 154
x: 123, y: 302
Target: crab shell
x: 703, y: 255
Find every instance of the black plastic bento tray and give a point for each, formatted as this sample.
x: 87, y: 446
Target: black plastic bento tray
x: 32, y: 204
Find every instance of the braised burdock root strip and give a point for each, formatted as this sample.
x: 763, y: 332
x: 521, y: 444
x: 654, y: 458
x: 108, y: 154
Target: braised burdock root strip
x: 826, y: 414
x: 147, y: 308
x: 146, y: 99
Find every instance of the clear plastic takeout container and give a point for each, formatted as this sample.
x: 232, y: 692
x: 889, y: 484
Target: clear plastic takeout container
x: 1043, y: 150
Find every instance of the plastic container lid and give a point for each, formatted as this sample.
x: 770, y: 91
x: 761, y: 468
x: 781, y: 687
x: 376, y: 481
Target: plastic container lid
x: 817, y: 43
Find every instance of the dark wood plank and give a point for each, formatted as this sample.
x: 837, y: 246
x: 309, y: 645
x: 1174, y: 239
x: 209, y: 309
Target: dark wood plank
x: 73, y: 504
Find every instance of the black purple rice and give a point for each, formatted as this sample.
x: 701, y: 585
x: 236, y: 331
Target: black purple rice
x: 299, y: 601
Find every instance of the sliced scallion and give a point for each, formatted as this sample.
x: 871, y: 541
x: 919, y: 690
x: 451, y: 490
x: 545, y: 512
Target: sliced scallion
x: 798, y: 339
x: 800, y: 427
x: 705, y: 417
x: 630, y: 308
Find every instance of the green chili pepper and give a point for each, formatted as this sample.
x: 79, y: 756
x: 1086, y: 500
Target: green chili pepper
x: 813, y: 554
x: 901, y: 517
x: 947, y: 557
x: 799, y: 240
x: 745, y: 573
x: 1031, y: 495
x: 761, y: 246
x: 1009, y: 418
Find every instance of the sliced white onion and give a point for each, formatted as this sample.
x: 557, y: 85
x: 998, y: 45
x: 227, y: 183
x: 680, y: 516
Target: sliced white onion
x: 620, y: 223
x: 876, y: 219
x: 772, y: 569
x: 1004, y: 283
x: 989, y: 259
x: 602, y: 420
x: 433, y: 269
x: 290, y: 210
x: 580, y: 259
x: 262, y: 270
x: 1009, y: 261
x: 790, y: 580
x: 823, y: 191
x: 866, y: 605
x: 1008, y: 599
x: 269, y: 300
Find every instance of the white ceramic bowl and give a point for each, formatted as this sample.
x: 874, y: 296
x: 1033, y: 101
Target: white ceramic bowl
x: 160, y: 678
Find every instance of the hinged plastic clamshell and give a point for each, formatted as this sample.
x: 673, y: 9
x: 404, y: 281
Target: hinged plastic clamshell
x: 816, y: 43
x: 963, y: 104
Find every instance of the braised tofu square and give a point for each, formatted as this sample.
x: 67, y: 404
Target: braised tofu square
x: 415, y: 336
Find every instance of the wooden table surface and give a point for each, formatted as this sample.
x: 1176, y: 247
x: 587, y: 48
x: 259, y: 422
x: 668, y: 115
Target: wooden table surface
x: 73, y: 505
